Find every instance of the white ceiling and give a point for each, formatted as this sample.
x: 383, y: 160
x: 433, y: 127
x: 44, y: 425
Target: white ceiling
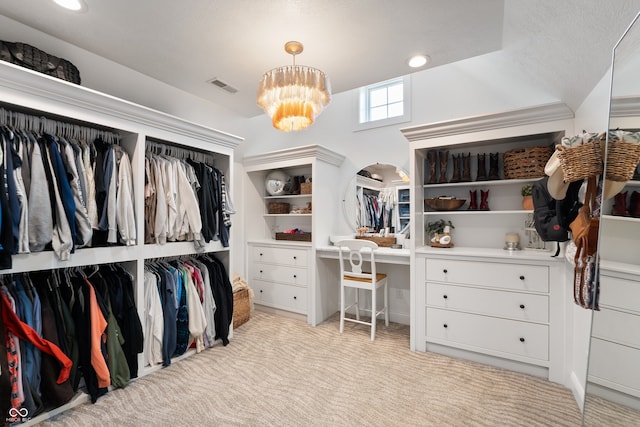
x: 564, y: 46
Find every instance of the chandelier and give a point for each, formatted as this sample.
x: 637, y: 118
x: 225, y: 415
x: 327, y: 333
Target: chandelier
x: 293, y: 95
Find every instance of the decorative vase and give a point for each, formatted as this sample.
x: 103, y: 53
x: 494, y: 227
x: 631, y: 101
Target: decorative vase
x: 527, y: 203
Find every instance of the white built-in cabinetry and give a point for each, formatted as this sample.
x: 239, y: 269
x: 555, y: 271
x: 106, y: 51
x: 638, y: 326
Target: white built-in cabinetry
x: 615, y: 343
x: 280, y: 276
x: 35, y: 94
x: 282, y: 273
x: 478, y: 300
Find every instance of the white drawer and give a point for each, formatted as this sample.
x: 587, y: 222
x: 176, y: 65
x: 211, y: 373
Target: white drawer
x: 615, y: 366
x: 490, y: 333
x: 528, y: 307
x: 491, y: 274
x: 620, y: 293
x: 284, y: 256
x: 280, y: 273
x: 617, y: 326
x: 285, y: 297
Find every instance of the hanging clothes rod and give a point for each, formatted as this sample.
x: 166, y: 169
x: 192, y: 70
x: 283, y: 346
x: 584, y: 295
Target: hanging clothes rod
x: 41, y: 124
x: 179, y: 153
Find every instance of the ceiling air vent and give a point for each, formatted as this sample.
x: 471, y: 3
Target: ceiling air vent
x: 222, y: 85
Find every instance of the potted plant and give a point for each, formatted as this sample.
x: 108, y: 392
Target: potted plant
x: 439, y: 233
x: 527, y: 199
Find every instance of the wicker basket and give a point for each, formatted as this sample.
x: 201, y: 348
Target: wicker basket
x: 580, y: 162
x: 296, y: 237
x: 305, y: 188
x: 241, y: 307
x: 622, y: 160
x: 278, y: 208
x: 527, y: 162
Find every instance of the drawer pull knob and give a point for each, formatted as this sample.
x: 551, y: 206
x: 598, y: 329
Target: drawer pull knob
x: 445, y: 325
x: 294, y: 276
x: 521, y: 339
x: 522, y: 306
x: 521, y: 277
x: 260, y: 253
x: 445, y: 296
x: 295, y: 297
x: 295, y: 257
x: 445, y: 271
x: 260, y: 290
x: 260, y: 271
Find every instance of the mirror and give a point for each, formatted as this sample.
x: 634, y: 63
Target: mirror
x: 612, y: 395
x: 377, y: 197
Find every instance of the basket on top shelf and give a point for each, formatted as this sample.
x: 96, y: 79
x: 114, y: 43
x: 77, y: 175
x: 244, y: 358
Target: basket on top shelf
x: 305, y: 188
x: 526, y: 162
x: 622, y: 160
x: 278, y: 208
x: 581, y: 161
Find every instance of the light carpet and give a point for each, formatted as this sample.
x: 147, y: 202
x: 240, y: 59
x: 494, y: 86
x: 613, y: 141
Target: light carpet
x: 278, y: 371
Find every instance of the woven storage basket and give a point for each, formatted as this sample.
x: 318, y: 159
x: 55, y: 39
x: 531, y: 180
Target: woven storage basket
x: 241, y: 307
x: 580, y: 162
x: 622, y: 160
x: 297, y: 237
x: 278, y: 208
x: 527, y: 162
x: 305, y: 188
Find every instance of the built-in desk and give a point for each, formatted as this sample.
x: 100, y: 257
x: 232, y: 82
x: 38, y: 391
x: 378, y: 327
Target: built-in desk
x: 384, y: 255
x: 393, y: 262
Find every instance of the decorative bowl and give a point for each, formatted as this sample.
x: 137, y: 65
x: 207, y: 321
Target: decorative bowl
x: 438, y: 204
x: 275, y: 182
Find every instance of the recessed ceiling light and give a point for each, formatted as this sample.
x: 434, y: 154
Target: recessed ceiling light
x: 417, y: 61
x: 75, y: 5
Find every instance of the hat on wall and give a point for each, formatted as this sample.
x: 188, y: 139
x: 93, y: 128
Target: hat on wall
x: 555, y: 184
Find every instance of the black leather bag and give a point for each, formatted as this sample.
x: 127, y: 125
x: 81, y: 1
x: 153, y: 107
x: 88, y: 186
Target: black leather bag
x: 35, y: 59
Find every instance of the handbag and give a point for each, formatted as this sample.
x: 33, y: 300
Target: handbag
x: 35, y: 59
x: 584, y: 230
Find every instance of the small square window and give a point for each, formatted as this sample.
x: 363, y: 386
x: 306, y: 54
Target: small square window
x: 384, y: 103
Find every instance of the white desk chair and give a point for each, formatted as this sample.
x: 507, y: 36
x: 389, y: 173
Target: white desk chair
x: 353, y: 252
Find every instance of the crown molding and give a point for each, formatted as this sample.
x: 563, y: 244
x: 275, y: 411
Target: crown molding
x: 308, y: 151
x: 30, y: 87
x: 625, y: 106
x: 519, y: 117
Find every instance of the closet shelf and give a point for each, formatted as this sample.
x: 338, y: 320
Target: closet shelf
x: 498, y: 182
x: 48, y: 260
x: 478, y: 212
x: 287, y: 215
x: 289, y: 196
x: 170, y: 249
x: 620, y: 218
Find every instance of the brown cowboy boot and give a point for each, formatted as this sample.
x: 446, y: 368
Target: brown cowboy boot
x: 493, y: 166
x: 444, y: 160
x: 466, y: 168
x: 620, y: 205
x: 432, y: 157
x: 634, y: 204
x: 482, y: 168
x: 456, y: 168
